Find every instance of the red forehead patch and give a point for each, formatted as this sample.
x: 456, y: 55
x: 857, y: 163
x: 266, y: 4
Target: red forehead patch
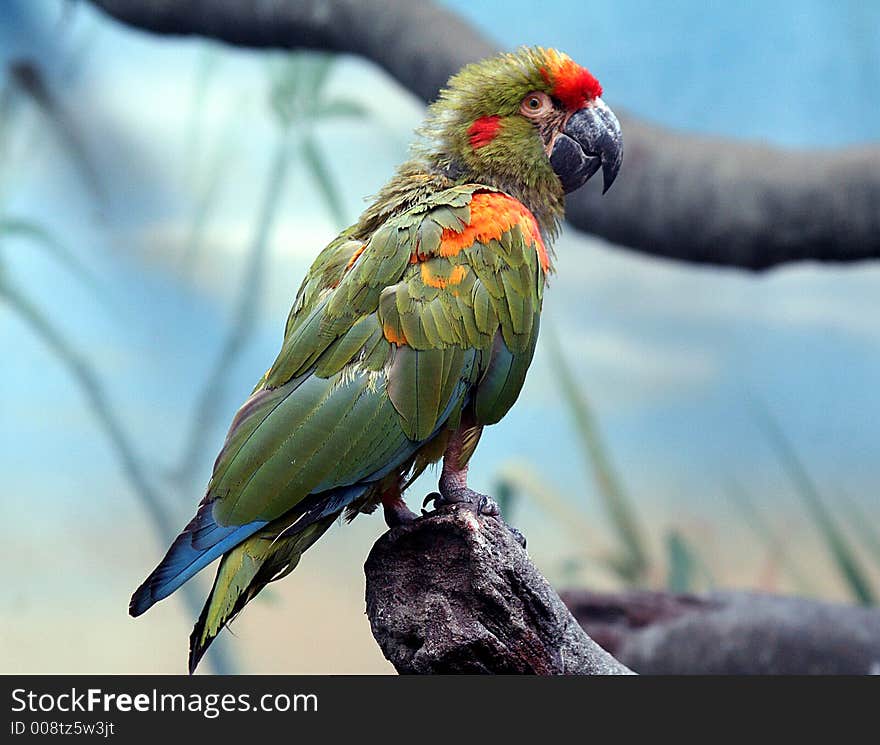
x: 570, y: 83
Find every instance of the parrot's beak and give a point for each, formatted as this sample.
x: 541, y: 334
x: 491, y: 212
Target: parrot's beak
x: 591, y: 138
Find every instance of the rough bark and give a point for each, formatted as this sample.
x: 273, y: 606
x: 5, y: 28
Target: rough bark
x: 730, y: 633
x: 455, y: 593
x: 695, y: 199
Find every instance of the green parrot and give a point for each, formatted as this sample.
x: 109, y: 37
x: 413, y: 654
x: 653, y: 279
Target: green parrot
x: 412, y: 331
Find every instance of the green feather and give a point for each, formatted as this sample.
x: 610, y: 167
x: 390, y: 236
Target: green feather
x: 429, y: 237
x: 341, y: 352
x: 243, y: 572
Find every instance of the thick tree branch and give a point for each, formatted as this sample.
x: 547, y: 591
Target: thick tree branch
x: 680, y: 196
x: 455, y: 593
x: 730, y: 633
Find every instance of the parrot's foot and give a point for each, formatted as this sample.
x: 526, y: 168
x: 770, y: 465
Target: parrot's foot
x: 397, y: 513
x: 482, y: 504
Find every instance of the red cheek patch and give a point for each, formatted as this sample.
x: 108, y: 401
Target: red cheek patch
x: 483, y: 131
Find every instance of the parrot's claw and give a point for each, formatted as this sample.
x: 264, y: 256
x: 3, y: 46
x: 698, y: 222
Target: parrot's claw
x: 479, y: 503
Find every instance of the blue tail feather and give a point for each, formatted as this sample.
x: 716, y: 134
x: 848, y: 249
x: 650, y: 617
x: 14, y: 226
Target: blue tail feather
x: 202, y: 541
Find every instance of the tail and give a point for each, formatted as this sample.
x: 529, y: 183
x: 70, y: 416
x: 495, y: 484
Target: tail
x: 268, y: 555
x: 202, y: 541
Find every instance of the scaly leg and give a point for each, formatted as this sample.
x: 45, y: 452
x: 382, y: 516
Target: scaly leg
x: 454, y: 488
x: 395, y: 509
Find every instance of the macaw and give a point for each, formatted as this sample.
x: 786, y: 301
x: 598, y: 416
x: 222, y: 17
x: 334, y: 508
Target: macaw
x: 412, y: 331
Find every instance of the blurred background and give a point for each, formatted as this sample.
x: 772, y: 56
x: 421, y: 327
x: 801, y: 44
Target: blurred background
x: 160, y: 200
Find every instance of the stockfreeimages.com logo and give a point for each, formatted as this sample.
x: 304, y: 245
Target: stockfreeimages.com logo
x: 209, y: 705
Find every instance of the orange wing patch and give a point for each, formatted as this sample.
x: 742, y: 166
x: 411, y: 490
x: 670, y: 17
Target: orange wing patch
x: 440, y: 279
x: 394, y: 335
x: 492, y: 215
x: 355, y: 256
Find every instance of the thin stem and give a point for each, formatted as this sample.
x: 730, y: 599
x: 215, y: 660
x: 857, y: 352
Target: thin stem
x: 101, y: 409
x: 247, y: 307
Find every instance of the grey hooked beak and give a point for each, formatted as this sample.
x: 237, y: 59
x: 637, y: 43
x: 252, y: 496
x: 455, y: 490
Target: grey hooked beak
x: 591, y: 139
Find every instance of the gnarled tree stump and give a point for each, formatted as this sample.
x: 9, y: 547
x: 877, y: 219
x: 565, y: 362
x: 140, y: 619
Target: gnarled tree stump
x: 455, y: 593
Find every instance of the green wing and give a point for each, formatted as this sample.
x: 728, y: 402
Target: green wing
x: 344, y: 403
x: 380, y: 354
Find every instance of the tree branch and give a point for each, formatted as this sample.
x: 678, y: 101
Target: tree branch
x: 696, y: 199
x: 730, y: 633
x: 455, y: 593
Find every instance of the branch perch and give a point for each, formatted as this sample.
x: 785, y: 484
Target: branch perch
x: 730, y: 633
x: 695, y: 199
x: 455, y: 593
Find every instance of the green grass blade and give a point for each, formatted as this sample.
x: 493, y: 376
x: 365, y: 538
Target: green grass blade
x: 633, y: 563
x: 207, y: 408
x: 754, y: 518
x: 862, y: 526
x: 320, y: 172
x: 87, y: 380
x: 845, y: 559
x: 284, y: 86
x: 524, y: 481
x: 29, y: 79
x: 317, y: 67
x: 682, y: 567
x: 7, y: 109
x: 99, y: 405
x: 206, y: 201
x: 341, y: 109
x: 506, y: 495
x: 685, y: 568
x: 20, y: 228
x: 207, y: 66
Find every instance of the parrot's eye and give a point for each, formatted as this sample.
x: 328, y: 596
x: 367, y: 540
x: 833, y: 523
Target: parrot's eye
x: 535, y: 104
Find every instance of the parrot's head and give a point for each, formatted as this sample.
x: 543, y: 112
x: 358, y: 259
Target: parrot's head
x: 532, y: 123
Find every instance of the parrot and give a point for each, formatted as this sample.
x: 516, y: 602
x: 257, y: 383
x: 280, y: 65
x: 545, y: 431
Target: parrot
x: 412, y: 331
